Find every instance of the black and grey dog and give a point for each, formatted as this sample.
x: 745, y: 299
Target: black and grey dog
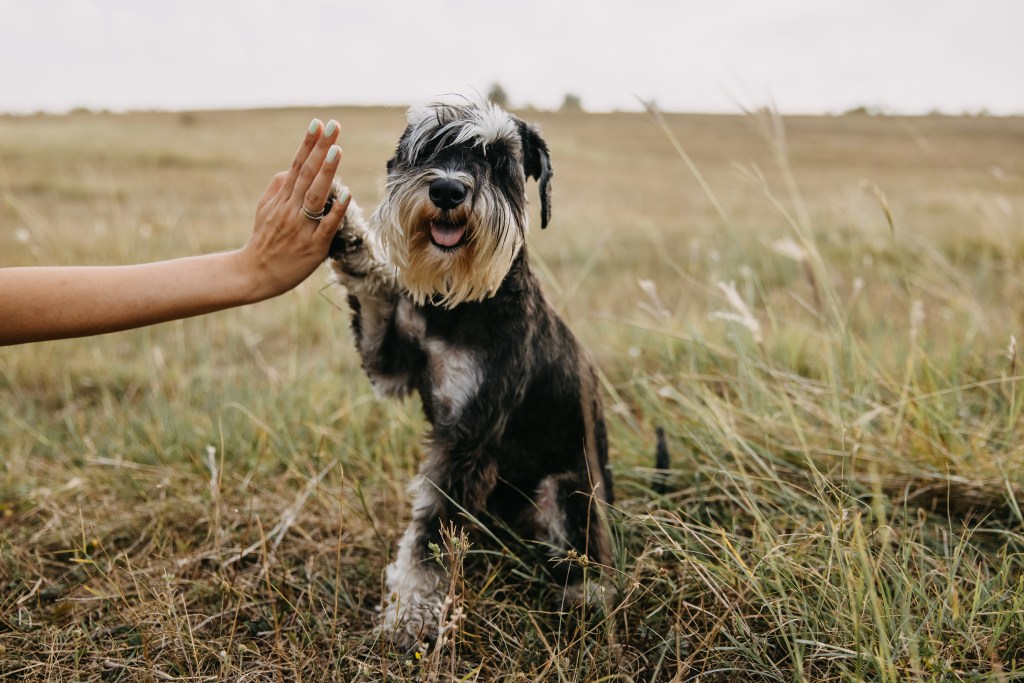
x: 444, y: 303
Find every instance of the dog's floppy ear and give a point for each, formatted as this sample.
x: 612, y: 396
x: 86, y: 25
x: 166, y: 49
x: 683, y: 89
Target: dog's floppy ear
x: 537, y: 164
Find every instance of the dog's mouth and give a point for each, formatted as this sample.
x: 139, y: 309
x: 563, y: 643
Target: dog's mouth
x: 447, y: 235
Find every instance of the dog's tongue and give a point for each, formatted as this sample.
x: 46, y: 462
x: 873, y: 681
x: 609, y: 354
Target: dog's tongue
x: 446, y: 235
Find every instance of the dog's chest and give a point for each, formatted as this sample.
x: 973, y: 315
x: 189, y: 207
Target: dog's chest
x: 454, y: 372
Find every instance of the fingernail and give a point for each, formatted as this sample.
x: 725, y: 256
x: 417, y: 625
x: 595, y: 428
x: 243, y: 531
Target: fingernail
x: 334, y: 151
x: 344, y: 196
x: 314, y: 125
x: 332, y: 127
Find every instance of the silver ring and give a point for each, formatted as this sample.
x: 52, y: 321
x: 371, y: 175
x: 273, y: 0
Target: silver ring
x: 313, y: 216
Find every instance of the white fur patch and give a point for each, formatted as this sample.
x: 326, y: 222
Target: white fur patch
x: 417, y: 116
x: 455, y: 374
x: 492, y: 124
x: 410, y: 322
x: 550, y: 514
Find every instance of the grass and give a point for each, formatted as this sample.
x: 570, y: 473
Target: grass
x: 821, y: 312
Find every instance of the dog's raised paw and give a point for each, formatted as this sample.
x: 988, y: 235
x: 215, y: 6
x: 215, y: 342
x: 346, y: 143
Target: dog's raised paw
x: 353, y: 250
x: 348, y: 240
x: 344, y: 245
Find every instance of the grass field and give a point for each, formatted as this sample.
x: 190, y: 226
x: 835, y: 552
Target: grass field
x: 820, y: 312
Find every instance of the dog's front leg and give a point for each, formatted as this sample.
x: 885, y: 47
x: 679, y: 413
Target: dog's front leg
x: 415, y: 580
x: 390, y: 358
x: 445, y: 488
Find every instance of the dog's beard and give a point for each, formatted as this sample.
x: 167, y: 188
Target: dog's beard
x: 470, y: 270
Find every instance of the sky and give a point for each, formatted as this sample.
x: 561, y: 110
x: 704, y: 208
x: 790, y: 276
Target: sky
x: 801, y: 56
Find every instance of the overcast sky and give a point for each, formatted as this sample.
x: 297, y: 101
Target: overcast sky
x: 907, y: 56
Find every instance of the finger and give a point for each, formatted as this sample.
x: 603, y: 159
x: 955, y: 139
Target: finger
x: 331, y: 222
x: 311, y: 167
x: 316, y: 196
x: 308, y: 143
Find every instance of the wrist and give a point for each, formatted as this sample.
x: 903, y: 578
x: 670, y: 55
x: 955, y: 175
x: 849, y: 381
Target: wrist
x: 249, y: 277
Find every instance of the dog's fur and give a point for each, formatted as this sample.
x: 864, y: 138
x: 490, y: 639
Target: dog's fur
x: 444, y: 303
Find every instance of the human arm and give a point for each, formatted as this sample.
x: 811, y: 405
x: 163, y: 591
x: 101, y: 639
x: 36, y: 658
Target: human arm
x: 40, y: 303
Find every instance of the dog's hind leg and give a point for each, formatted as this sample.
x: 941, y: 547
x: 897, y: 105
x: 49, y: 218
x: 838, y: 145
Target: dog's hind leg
x: 572, y: 527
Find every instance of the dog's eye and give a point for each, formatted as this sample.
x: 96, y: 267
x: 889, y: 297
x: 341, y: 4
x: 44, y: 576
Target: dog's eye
x: 502, y: 166
x: 495, y: 152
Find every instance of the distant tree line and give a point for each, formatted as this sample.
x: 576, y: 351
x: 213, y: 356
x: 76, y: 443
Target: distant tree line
x: 497, y: 94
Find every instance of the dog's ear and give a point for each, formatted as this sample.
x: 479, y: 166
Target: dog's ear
x: 537, y: 164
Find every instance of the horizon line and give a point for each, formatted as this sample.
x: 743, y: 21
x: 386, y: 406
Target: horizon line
x: 865, y: 110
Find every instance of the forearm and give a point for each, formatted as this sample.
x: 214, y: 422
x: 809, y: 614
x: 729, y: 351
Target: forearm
x: 37, y: 304
x: 290, y: 239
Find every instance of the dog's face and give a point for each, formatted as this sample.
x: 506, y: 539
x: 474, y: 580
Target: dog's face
x: 454, y: 214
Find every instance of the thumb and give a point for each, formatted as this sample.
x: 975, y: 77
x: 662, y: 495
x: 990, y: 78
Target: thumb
x: 272, y: 189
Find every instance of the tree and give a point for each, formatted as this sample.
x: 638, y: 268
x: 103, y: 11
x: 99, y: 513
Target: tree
x: 572, y: 102
x: 498, y: 95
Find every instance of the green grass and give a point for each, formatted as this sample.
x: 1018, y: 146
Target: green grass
x: 823, y: 329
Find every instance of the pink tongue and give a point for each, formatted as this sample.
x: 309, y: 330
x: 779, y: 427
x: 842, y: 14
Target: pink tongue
x: 446, y: 235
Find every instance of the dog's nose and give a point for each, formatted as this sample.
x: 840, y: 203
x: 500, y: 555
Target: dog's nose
x: 447, y: 193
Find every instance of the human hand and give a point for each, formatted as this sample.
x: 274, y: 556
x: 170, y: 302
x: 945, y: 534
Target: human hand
x: 286, y: 246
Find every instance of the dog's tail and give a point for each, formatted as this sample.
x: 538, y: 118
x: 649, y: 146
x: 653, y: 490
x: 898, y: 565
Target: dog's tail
x: 659, y: 484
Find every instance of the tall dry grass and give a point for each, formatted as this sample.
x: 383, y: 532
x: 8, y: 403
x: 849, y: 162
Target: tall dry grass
x: 821, y: 313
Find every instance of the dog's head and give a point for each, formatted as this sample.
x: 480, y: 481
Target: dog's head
x: 454, y: 214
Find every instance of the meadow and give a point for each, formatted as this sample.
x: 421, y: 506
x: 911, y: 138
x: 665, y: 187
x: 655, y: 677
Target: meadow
x: 821, y: 312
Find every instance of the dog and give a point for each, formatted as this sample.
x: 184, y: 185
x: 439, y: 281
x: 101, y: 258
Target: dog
x: 444, y: 303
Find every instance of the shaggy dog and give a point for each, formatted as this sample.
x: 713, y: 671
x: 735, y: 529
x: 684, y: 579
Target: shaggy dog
x: 444, y: 304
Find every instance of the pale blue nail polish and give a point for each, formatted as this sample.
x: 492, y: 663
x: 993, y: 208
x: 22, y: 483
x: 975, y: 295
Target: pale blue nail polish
x: 334, y: 151
x: 344, y: 196
x: 332, y: 127
x: 313, y: 125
